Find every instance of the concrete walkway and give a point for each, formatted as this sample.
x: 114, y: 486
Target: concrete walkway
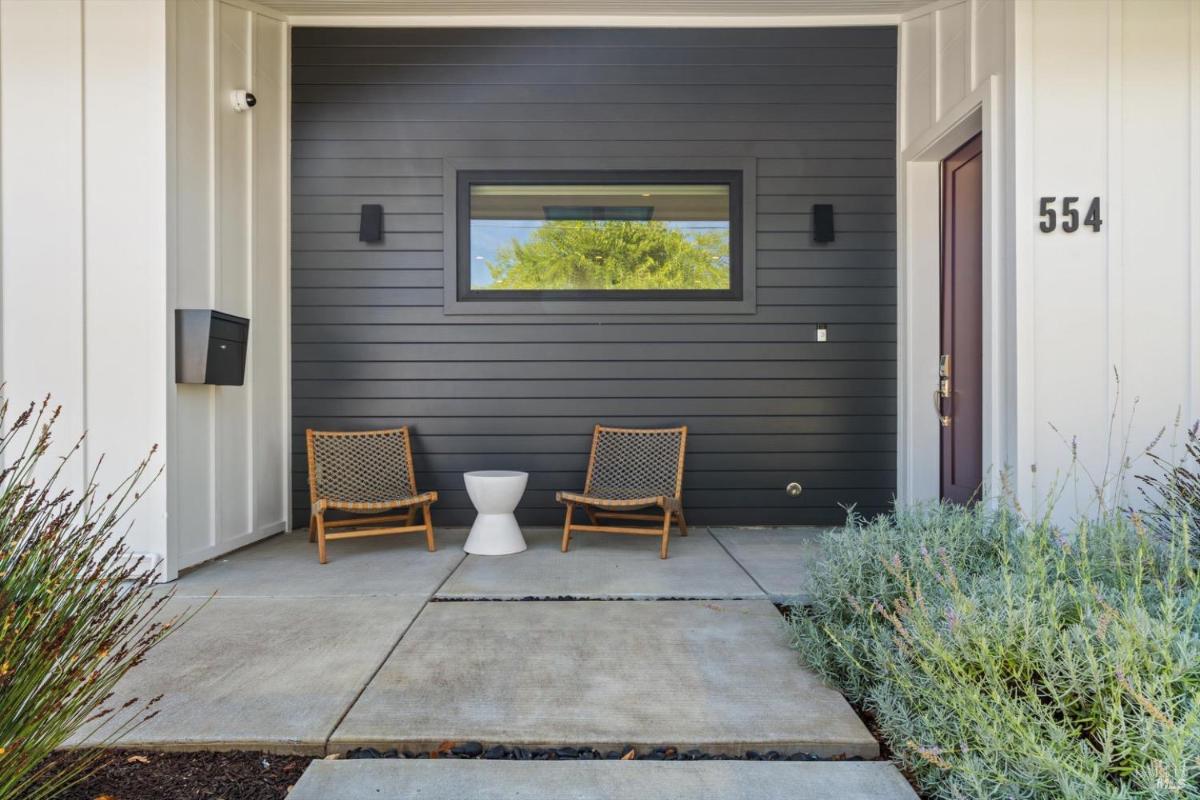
x: 604, y: 568
x: 779, y: 559
x: 281, y: 646
x: 389, y: 645
x: 600, y: 780
x: 711, y: 675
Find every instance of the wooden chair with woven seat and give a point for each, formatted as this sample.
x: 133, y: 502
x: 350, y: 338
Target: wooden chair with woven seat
x: 366, y: 473
x: 629, y: 471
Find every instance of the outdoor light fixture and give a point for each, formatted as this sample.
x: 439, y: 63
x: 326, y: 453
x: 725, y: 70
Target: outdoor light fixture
x: 370, y: 223
x: 822, y: 332
x: 822, y: 223
x: 243, y: 100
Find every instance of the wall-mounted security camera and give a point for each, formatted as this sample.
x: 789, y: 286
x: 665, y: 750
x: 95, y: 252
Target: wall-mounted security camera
x: 243, y: 100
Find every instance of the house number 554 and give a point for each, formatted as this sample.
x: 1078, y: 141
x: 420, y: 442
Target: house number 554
x: 1070, y: 215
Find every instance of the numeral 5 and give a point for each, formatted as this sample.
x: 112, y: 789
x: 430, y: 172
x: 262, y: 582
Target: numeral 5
x: 1050, y: 218
x: 1070, y: 215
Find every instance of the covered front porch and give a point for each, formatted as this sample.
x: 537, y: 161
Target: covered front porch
x: 390, y: 646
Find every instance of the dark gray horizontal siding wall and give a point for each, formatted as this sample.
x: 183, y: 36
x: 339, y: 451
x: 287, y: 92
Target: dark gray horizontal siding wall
x: 375, y: 112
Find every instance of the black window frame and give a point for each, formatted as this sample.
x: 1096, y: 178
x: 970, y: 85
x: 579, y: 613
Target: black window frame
x: 464, y: 179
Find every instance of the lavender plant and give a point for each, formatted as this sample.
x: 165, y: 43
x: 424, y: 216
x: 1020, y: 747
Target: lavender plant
x: 76, y: 611
x: 1172, y: 492
x: 1006, y: 657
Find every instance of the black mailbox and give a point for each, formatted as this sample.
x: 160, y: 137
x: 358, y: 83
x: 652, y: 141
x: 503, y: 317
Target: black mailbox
x: 210, y: 347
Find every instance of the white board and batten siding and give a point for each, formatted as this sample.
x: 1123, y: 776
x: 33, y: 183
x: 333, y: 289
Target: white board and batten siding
x: 227, y: 477
x: 1096, y: 98
x: 946, y: 52
x: 128, y: 188
x: 82, y: 192
x: 1109, y: 107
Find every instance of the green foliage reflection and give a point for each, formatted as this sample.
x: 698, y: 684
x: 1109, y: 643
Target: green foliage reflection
x: 615, y: 255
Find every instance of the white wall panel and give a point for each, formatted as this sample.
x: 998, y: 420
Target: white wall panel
x: 987, y: 39
x: 1157, y: 220
x: 947, y: 52
x: 192, y: 468
x: 1194, y: 211
x: 235, y: 223
x: 231, y: 254
x: 1112, y: 105
x: 1071, y: 288
x: 917, y: 84
x: 952, y: 56
x: 269, y: 289
x: 82, y: 188
x: 41, y: 185
x: 124, y: 189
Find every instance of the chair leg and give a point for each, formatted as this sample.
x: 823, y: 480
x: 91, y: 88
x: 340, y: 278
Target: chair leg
x: 312, y: 528
x: 321, y: 539
x: 428, y: 526
x: 666, y: 534
x: 566, y: 540
x: 412, y: 516
x: 591, y: 515
x: 682, y: 524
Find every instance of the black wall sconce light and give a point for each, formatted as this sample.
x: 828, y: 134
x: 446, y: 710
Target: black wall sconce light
x: 370, y: 224
x: 822, y: 223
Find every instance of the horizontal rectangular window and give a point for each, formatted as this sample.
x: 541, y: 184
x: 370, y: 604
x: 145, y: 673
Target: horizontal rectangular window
x: 600, y: 234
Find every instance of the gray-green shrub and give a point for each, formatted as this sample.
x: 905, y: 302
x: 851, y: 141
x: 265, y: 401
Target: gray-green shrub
x: 1008, y: 658
x: 1172, y: 491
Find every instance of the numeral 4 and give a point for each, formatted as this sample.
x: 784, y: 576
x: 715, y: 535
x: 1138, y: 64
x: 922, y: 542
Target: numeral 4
x: 1092, y: 219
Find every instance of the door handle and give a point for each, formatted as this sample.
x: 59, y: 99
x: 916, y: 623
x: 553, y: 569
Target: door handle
x: 937, y: 407
x: 943, y: 392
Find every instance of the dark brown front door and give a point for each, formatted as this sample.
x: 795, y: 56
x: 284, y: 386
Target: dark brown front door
x: 960, y: 389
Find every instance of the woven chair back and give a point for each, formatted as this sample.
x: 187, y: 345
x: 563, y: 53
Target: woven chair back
x: 629, y: 463
x: 361, y: 466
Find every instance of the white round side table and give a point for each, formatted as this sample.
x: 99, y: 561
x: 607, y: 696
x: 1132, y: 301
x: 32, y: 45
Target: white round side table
x: 495, y: 494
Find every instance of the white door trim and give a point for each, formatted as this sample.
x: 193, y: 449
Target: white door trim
x: 918, y: 254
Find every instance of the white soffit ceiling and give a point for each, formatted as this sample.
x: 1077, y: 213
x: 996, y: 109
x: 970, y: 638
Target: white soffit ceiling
x: 593, y: 10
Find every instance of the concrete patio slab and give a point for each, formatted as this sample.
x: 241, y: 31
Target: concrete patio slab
x: 779, y: 559
x: 601, y: 780
x: 714, y: 675
x: 603, y: 566
x: 269, y: 673
x: 286, y: 566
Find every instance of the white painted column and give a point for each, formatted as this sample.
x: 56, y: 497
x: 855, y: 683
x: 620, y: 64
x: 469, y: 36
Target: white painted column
x: 83, y: 226
x: 41, y: 216
x: 229, y: 250
x: 125, y: 207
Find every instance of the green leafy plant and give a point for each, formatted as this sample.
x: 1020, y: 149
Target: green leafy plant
x: 76, y: 610
x: 612, y: 255
x: 1006, y: 657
